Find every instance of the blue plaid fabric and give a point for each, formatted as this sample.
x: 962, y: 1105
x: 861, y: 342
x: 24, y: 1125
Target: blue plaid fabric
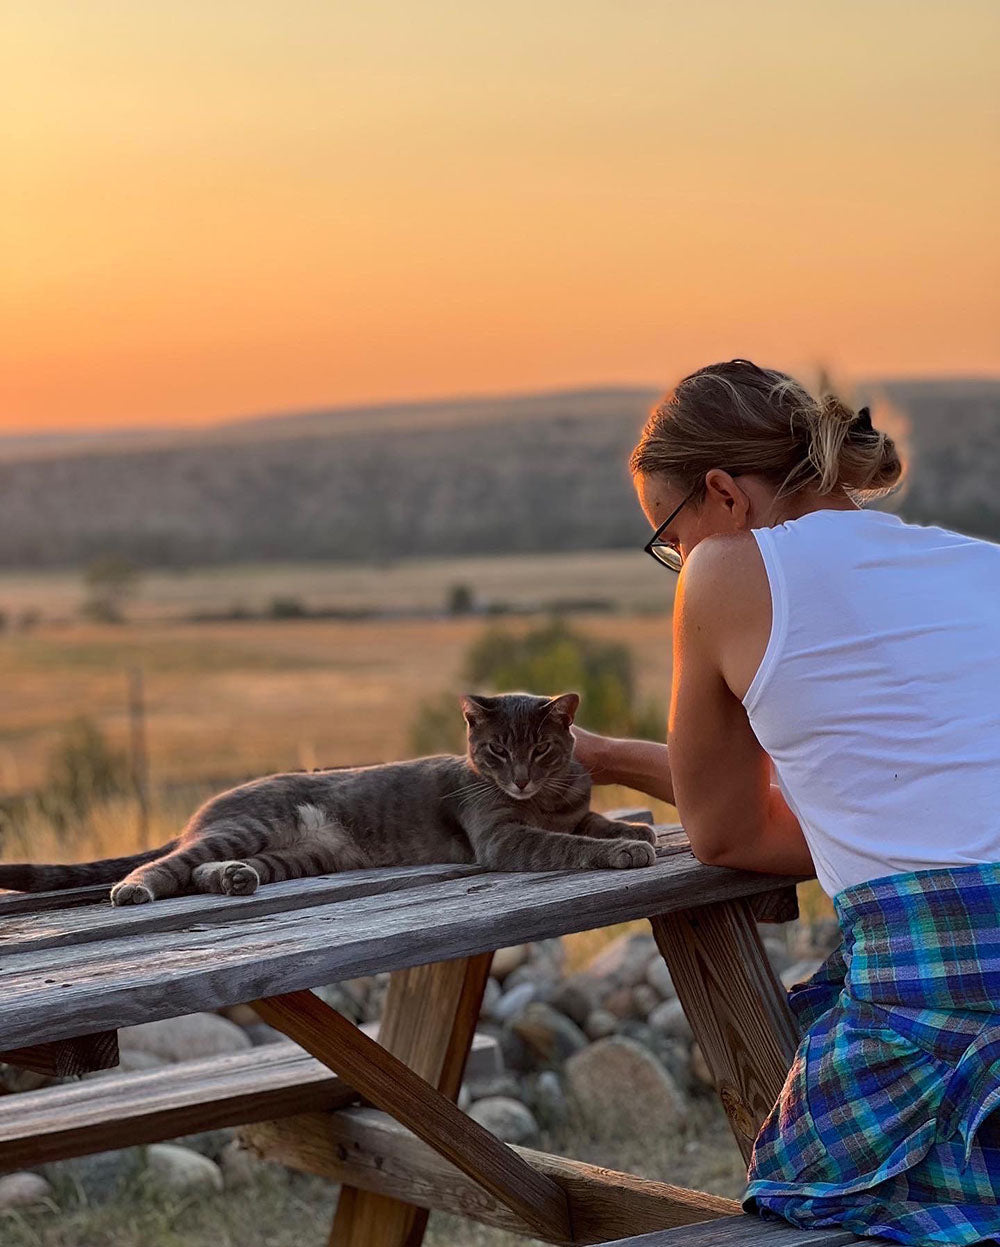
x: 889, y: 1121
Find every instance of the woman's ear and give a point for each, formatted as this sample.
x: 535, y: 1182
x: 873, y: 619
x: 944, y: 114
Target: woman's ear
x: 563, y: 708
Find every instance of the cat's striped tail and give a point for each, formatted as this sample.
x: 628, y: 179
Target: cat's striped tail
x: 27, y: 877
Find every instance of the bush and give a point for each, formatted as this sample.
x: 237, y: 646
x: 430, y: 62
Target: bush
x: 546, y: 661
x: 83, y: 771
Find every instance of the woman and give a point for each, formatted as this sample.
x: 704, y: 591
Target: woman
x: 860, y: 655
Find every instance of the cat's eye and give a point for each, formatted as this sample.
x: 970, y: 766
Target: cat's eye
x: 540, y: 751
x: 496, y: 752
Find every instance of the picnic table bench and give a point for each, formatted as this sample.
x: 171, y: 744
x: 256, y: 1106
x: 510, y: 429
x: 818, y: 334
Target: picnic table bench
x: 379, y: 1117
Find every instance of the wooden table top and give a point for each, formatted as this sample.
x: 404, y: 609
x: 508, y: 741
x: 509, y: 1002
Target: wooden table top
x: 74, y: 971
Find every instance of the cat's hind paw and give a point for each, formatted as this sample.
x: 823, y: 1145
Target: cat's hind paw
x: 629, y: 854
x: 239, y: 879
x: 131, y: 894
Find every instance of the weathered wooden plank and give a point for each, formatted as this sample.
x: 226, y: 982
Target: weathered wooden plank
x: 394, y: 1087
x: 367, y: 1149
x: 106, y: 984
x: 100, y: 1114
x: 82, y: 1055
x: 191, y: 913
x: 428, y: 1022
x: 13, y: 903
x: 779, y: 906
x: 745, y: 1231
x: 737, y: 1008
x: 59, y: 926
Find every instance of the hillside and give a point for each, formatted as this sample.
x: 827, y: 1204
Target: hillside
x: 469, y: 476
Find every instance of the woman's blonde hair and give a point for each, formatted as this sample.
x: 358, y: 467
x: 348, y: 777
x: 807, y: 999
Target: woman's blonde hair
x: 742, y: 418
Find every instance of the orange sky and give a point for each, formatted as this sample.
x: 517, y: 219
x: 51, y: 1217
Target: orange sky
x: 222, y: 207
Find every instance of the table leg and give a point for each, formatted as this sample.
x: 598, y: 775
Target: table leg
x: 737, y: 1008
x: 428, y: 1022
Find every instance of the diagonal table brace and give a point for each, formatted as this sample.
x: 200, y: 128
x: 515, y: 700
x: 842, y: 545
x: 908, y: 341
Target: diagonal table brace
x: 393, y: 1087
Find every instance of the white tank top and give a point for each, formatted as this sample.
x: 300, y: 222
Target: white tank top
x: 878, y: 696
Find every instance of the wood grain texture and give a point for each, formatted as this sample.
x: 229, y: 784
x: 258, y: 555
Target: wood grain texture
x: 66, y: 1057
x: 50, y: 993
x: 428, y: 1021
x: 277, y: 1080
x: 65, y: 928
x: 367, y: 1149
x: 384, y: 1080
x: 13, y: 903
x: 745, y: 1231
x: 737, y: 1008
x: 779, y: 906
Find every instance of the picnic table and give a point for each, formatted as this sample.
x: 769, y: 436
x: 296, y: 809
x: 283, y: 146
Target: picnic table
x: 379, y: 1116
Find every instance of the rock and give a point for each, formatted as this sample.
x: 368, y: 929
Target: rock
x: 260, y: 1034
x: 241, y: 1015
x: 507, y: 959
x: 575, y: 997
x: 338, y: 997
x: 174, y: 1168
x: 513, y: 1001
x: 621, y: 1089
x: 549, y: 954
x: 777, y: 953
x: 464, y: 1097
x: 240, y: 1167
x: 624, y: 960
x: 600, y: 1024
x: 658, y: 978
x: 210, y: 1143
x: 22, y: 1190
x: 621, y: 1003
x: 540, y: 977
x: 509, y: 1120
x: 548, y: 1036
x: 644, y: 999
x: 673, y: 1054
x: 799, y: 972
x: 491, y: 995
x: 495, y: 1084
x: 99, y: 1177
x: 549, y: 1099
x: 14, y: 1079
x: 670, y: 1020
x: 699, y: 1068
x: 184, y: 1038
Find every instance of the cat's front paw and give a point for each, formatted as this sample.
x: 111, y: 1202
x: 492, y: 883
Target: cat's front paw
x: 628, y: 854
x: 130, y: 894
x: 635, y: 831
x: 239, y: 879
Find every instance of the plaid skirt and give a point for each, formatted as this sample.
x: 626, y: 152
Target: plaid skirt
x: 889, y: 1121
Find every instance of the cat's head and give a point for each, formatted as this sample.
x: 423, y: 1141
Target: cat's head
x: 519, y: 741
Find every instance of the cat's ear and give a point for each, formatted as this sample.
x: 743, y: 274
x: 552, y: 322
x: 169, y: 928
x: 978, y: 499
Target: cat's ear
x: 475, y: 709
x: 563, y: 709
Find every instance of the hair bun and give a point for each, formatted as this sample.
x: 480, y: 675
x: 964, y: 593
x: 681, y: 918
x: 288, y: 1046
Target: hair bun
x: 862, y: 422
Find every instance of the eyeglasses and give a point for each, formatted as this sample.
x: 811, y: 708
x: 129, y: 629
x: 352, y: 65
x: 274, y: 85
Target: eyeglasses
x: 662, y: 551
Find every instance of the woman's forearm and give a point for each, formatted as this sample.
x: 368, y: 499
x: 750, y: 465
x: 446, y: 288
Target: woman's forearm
x: 638, y: 764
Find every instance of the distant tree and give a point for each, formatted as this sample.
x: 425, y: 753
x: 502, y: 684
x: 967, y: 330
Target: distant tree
x: 461, y: 600
x: 287, y: 608
x: 551, y: 659
x: 109, y: 582
x: 83, y: 770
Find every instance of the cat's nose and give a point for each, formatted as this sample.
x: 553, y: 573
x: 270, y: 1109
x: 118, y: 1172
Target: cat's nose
x: 521, y: 782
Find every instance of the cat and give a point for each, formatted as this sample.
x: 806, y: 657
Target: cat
x: 517, y: 800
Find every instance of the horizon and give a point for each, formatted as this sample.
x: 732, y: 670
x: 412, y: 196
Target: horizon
x: 213, y: 216
x: 431, y: 400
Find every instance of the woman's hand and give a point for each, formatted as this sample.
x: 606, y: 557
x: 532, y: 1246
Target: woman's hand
x: 641, y: 765
x: 596, y: 753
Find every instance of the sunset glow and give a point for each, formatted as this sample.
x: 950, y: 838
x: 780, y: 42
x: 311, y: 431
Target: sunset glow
x: 222, y: 209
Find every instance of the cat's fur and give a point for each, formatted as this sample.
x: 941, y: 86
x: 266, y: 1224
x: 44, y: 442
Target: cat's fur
x: 518, y: 800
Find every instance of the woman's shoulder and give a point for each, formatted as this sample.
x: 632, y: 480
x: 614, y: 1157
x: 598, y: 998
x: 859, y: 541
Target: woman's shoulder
x: 725, y: 593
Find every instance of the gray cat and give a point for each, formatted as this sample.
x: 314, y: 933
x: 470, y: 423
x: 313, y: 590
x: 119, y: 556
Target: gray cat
x: 518, y: 800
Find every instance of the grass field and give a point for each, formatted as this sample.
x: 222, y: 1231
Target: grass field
x: 626, y: 578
